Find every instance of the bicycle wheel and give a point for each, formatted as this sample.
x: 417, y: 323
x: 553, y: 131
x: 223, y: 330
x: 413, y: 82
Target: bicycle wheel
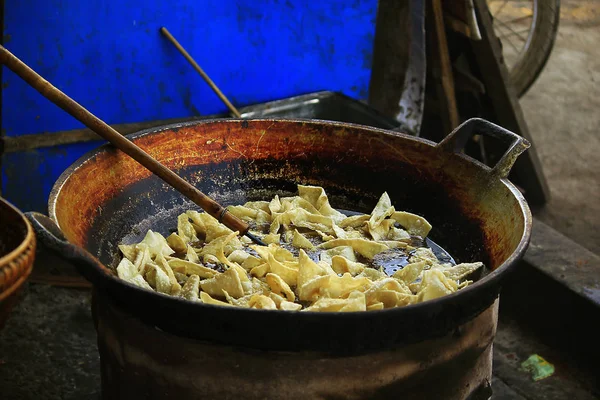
x: 527, y: 30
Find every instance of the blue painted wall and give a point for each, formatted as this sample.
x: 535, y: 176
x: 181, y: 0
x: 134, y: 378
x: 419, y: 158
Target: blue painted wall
x: 110, y: 57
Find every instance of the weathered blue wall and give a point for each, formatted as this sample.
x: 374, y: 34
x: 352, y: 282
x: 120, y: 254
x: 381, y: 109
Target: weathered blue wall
x: 111, y: 58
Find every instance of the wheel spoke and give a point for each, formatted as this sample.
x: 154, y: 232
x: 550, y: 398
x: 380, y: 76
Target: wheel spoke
x: 519, y: 19
x: 499, y: 10
x: 513, y: 45
x: 524, y: 39
x: 503, y: 35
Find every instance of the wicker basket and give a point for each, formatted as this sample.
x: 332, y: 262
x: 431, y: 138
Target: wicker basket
x: 17, y: 252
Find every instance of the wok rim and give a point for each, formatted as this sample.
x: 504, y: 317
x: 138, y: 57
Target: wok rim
x: 487, y: 282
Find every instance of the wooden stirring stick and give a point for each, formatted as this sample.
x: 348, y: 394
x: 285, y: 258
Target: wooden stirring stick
x: 122, y: 143
x: 203, y: 74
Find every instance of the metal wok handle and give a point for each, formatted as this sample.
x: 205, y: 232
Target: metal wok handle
x: 457, y: 139
x: 50, y: 235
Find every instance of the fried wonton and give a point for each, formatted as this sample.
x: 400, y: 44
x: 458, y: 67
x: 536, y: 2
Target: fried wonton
x: 316, y: 260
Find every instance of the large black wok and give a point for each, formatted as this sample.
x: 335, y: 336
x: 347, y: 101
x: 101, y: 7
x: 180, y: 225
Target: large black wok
x: 106, y: 198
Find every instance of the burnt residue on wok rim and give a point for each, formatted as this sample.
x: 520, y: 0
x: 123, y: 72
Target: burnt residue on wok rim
x: 106, y: 198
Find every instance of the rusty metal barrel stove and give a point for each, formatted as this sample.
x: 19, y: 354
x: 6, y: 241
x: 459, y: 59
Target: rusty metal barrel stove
x: 159, y: 347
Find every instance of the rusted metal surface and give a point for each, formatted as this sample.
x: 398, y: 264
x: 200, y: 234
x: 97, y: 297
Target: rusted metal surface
x: 107, y: 199
x: 516, y: 145
x: 475, y: 214
x: 85, y: 188
x: 17, y: 253
x: 139, y: 361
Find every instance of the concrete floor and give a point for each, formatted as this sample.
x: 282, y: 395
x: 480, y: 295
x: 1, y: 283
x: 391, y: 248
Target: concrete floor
x: 562, y: 110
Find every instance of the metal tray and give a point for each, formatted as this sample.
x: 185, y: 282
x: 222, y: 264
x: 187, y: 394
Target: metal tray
x: 325, y: 105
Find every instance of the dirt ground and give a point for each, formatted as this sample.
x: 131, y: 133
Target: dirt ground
x: 562, y: 110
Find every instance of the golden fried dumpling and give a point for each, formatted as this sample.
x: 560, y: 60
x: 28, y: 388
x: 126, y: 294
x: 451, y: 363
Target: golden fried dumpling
x: 382, y: 210
x: 354, y: 302
x: 299, y: 241
x: 185, y: 229
x: 414, y: 224
x: 364, y: 247
x: 410, y: 272
x: 316, y: 196
x: 157, y: 244
x: 205, y: 261
x: 342, y: 265
x: 461, y: 271
x: 190, y: 289
x: 435, y: 284
x: 228, y: 280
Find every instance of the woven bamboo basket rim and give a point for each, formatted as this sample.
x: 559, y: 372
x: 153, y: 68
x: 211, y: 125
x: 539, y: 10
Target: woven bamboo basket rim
x: 23, y: 250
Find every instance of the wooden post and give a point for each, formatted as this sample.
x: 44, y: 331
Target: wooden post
x: 442, y: 67
x: 527, y: 171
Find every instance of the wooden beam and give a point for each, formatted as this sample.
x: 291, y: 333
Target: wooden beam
x: 527, y: 171
x: 442, y: 67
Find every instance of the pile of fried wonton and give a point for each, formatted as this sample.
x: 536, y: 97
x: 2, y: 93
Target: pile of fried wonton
x: 317, y: 258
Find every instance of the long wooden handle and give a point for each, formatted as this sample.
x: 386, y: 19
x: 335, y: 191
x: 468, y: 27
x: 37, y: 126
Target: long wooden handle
x: 203, y: 74
x: 121, y: 142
